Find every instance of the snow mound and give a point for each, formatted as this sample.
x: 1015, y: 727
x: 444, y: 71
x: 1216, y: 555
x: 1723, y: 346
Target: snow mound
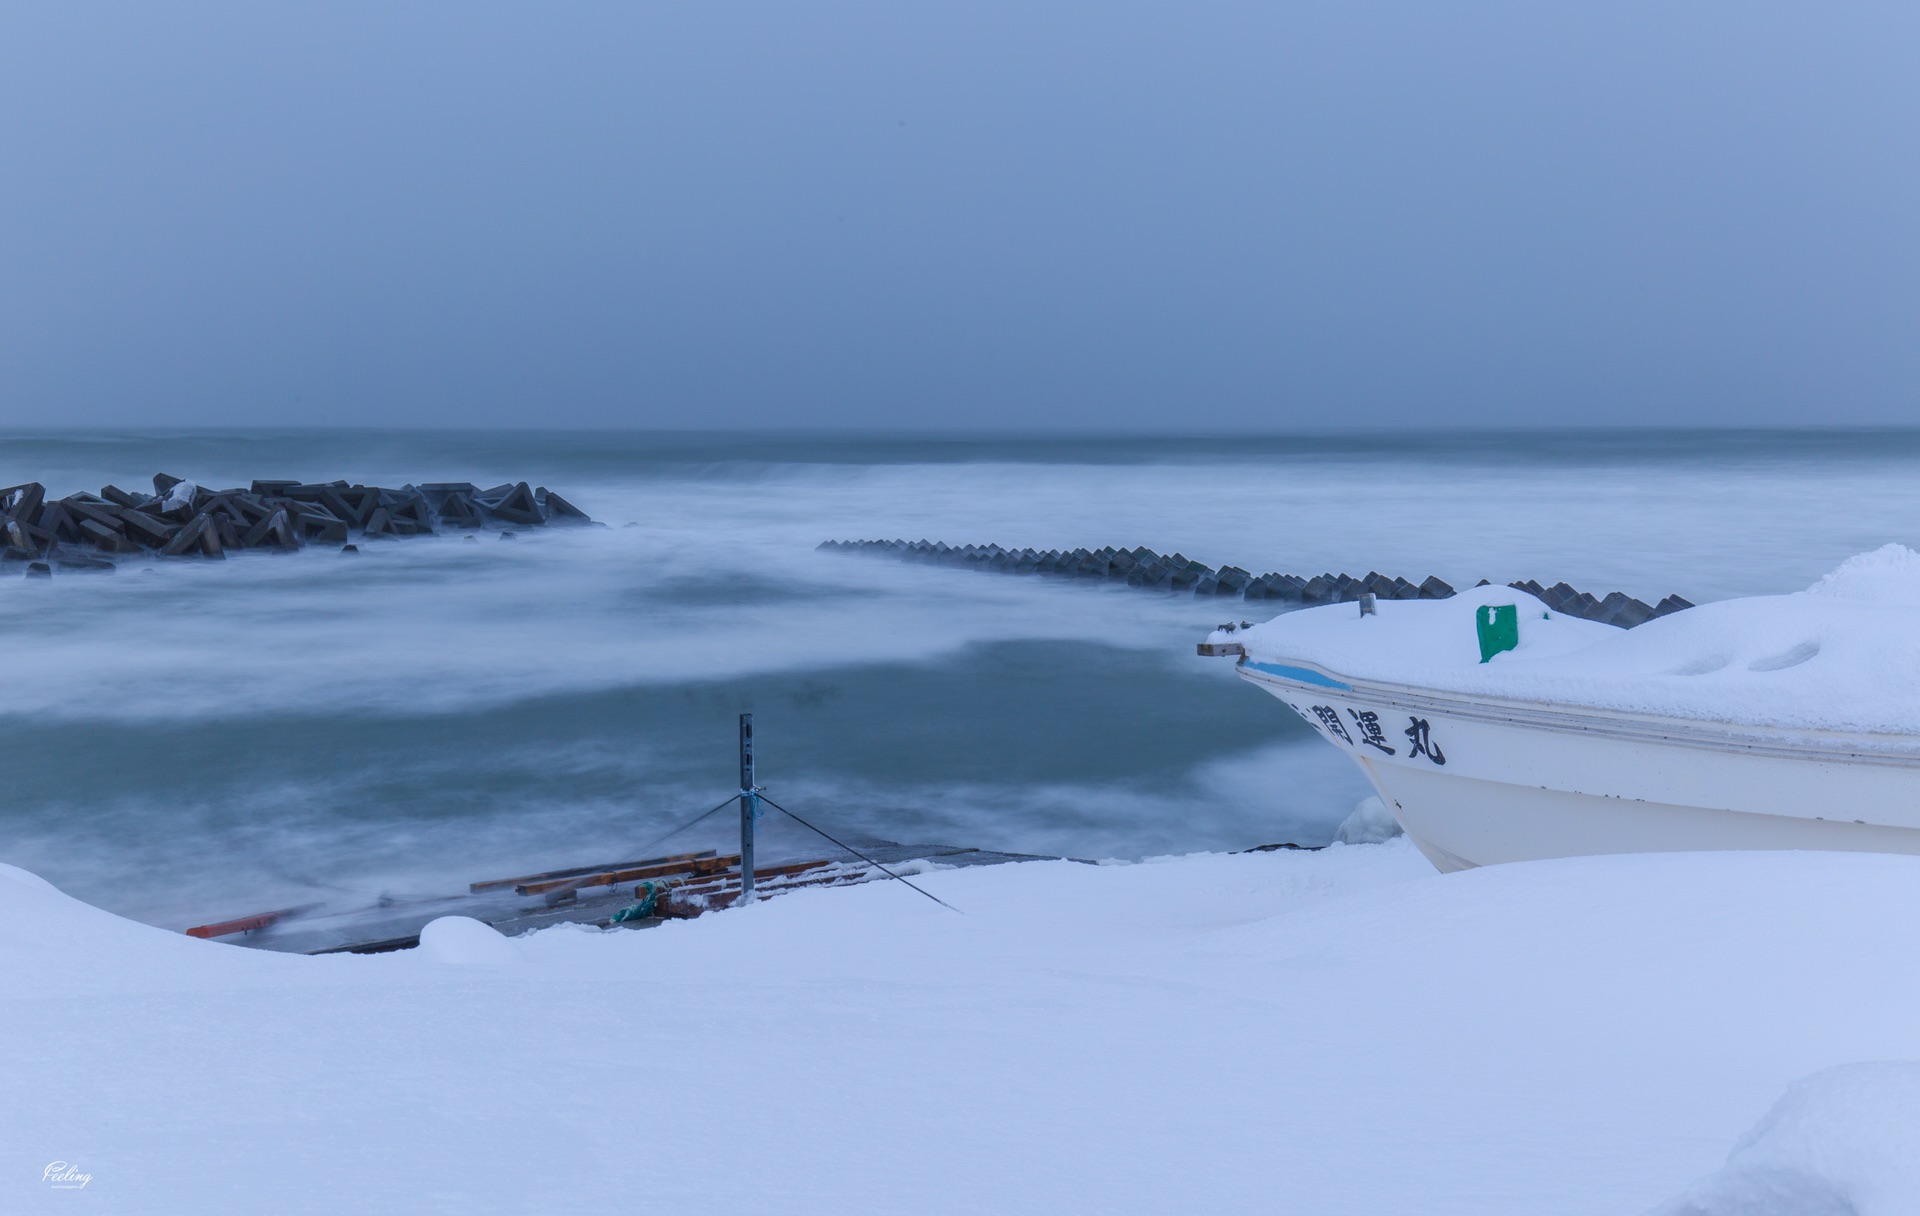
x: 26, y: 878
x: 71, y: 948
x: 1888, y: 575
x: 1370, y: 823
x: 1842, y: 1142
x: 181, y: 495
x: 465, y: 942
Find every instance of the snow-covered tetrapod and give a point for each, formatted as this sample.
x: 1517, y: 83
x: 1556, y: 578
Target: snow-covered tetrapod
x: 1773, y: 722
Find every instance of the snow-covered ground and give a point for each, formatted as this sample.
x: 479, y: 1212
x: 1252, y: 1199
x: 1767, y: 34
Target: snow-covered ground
x: 1343, y: 1031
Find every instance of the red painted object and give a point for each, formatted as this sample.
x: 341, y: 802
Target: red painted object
x: 243, y: 925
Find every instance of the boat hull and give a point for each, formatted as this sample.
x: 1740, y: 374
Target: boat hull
x: 1477, y: 782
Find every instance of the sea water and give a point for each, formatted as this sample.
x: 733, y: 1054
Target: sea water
x: 184, y: 740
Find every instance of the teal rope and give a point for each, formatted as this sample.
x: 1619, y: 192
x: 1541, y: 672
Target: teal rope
x: 649, y: 903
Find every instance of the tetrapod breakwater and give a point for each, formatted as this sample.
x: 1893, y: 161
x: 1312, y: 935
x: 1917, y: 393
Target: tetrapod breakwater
x: 182, y: 519
x: 1175, y: 573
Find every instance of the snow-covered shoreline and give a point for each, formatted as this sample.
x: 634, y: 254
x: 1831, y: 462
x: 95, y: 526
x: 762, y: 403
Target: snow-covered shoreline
x: 1335, y: 1031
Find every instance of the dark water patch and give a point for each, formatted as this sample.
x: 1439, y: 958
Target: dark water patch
x: 722, y: 586
x: 1000, y: 745
x: 1017, y: 711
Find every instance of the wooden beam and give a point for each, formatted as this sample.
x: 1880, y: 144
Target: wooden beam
x: 798, y: 867
x: 245, y: 924
x: 707, y: 865
x: 495, y: 884
x: 721, y: 882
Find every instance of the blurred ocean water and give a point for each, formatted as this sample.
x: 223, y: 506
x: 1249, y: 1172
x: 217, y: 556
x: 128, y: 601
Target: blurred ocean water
x: 182, y: 740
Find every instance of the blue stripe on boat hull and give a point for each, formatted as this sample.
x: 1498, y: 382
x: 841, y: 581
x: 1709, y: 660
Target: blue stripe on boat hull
x: 1300, y: 674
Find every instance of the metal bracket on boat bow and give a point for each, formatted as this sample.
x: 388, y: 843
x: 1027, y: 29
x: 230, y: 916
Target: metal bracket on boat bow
x: 1226, y: 650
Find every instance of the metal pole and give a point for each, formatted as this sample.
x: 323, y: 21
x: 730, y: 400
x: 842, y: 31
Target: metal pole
x: 748, y: 799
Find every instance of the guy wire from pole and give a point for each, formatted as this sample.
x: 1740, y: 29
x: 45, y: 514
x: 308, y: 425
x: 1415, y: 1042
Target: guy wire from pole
x: 856, y: 852
x: 659, y: 840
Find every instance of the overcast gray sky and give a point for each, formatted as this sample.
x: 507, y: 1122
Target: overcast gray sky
x: 1052, y: 214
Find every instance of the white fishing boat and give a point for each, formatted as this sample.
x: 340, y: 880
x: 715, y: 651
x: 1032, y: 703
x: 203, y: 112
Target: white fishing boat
x: 1776, y: 722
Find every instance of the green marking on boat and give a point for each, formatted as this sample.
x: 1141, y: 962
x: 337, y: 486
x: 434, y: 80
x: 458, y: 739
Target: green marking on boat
x: 1499, y: 628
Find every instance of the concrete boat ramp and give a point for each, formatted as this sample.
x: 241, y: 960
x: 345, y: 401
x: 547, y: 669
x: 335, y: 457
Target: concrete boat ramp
x: 633, y: 894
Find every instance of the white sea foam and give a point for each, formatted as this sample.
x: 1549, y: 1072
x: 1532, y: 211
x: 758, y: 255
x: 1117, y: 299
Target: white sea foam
x: 720, y: 578
x: 436, y: 625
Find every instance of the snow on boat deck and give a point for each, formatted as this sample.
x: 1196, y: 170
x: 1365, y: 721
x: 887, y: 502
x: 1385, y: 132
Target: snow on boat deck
x: 1335, y: 1031
x: 1843, y: 655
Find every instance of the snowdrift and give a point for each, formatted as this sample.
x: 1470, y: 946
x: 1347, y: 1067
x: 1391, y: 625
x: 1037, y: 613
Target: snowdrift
x: 1341, y: 1031
x: 1843, y: 1142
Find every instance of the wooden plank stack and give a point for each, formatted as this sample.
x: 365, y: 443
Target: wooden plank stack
x: 88, y: 532
x: 683, y: 886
